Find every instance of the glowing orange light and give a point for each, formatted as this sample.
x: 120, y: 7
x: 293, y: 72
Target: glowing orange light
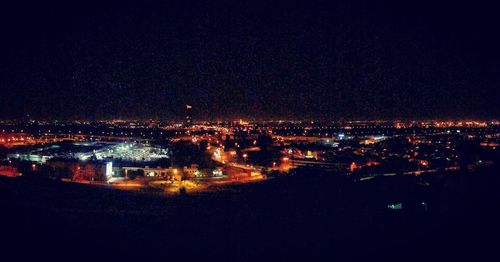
x: 353, y: 167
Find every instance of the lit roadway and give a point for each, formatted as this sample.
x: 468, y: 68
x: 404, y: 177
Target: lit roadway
x: 234, y: 169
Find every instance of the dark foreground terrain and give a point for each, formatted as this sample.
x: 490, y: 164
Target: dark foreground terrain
x: 443, y: 217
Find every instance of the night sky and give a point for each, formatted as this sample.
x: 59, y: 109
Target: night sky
x: 250, y: 59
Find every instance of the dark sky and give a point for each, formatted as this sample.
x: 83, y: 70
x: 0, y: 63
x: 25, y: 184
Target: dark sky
x: 252, y: 59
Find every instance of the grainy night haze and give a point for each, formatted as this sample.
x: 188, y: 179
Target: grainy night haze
x: 249, y: 130
x: 252, y: 59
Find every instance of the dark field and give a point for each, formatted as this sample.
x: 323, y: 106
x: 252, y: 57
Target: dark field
x: 311, y: 217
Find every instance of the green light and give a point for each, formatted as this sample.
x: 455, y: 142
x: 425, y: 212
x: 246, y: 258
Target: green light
x: 397, y: 206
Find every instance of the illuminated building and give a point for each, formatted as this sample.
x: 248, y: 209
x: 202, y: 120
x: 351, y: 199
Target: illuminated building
x: 191, y: 170
x: 109, y: 170
x: 80, y: 171
x: 169, y: 173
